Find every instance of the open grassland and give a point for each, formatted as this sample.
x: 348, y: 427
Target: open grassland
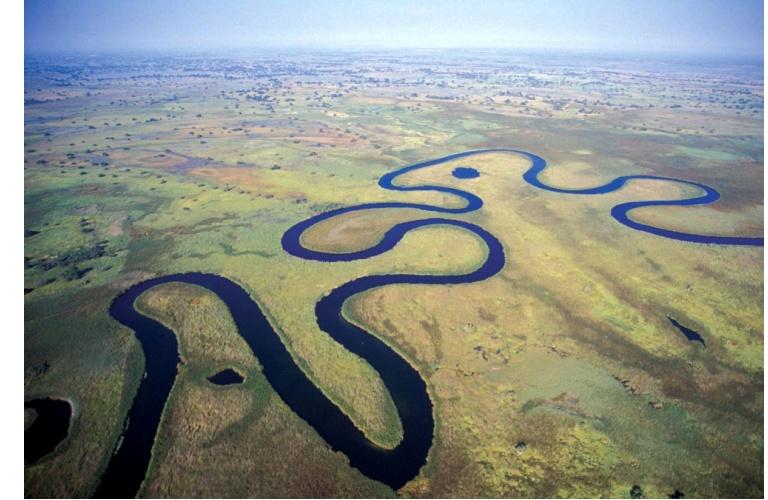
x: 570, y: 352
x: 560, y: 376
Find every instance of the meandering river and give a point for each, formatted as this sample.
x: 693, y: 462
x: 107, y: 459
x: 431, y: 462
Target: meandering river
x: 407, y: 388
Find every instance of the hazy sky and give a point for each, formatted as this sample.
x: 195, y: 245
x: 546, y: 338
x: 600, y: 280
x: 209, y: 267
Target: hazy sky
x: 725, y: 27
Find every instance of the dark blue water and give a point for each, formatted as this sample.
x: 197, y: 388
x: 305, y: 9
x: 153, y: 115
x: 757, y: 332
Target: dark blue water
x: 48, y: 430
x: 691, y: 335
x: 226, y: 377
x: 408, y: 390
x: 621, y: 212
x: 465, y: 173
x: 129, y: 462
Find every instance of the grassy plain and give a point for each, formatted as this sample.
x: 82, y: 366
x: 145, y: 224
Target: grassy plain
x: 560, y: 376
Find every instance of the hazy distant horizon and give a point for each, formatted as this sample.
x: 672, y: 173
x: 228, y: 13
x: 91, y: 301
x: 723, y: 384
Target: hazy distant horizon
x: 707, y: 28
x: 241, y: 51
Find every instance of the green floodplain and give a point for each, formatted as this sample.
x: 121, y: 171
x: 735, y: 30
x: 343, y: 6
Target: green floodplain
x: 561, y: 376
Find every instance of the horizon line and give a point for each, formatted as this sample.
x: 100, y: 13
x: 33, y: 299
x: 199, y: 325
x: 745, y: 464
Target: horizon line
x: 219, y: 50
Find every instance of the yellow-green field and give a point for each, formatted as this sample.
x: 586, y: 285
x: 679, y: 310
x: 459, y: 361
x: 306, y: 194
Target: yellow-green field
x: 561, y: 376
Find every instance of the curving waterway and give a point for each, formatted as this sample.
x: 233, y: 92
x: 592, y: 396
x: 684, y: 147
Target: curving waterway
x: 394, y: 467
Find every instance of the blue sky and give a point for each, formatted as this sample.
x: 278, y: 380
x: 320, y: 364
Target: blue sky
x: 720, y: 27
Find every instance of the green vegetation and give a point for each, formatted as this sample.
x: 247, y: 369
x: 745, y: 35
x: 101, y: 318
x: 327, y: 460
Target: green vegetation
x: 560, y: 376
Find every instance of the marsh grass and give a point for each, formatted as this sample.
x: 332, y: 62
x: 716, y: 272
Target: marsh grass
x: 568, y: 349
